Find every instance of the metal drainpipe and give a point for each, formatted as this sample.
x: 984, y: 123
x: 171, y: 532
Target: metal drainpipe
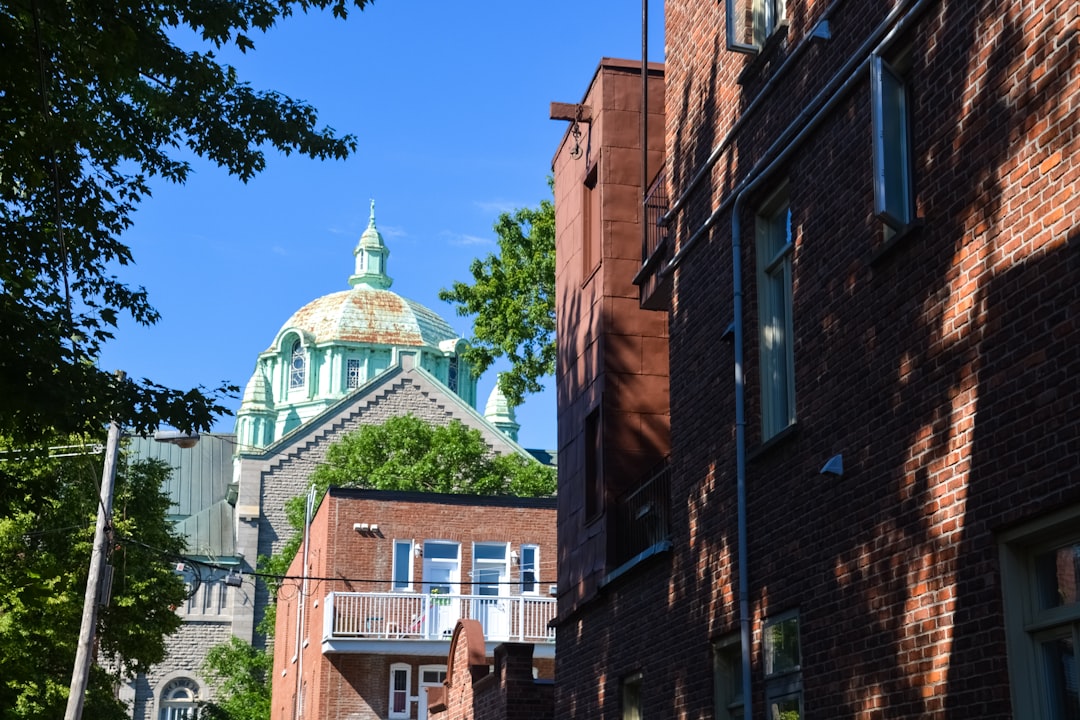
x: 773, y: 80
x: 298, y: 709
x: 644, y: 125
x: 907, y: 16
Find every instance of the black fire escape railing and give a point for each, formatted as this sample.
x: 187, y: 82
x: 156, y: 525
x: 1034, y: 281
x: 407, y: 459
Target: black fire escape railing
x: 656, y: 247
x: 643, y: 518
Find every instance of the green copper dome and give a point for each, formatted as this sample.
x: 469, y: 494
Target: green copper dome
x: 338, y: 343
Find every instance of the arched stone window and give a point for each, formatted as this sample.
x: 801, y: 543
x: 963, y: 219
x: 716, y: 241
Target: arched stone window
x: 179, y: 700
x: 297, y: 366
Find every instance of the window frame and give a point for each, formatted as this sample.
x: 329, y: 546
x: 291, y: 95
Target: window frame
x: 786, y: 683
x: 592, y: 219
x: 728, y: 703
x: 775, y: 274
x: 410, y: 572
x: 894, y: 186
x: 297, y: 373
x: 390, y: 711
x: 533, y: 566
x: 630, y: 698
x: 1028, y: 625
x: 765, y: 18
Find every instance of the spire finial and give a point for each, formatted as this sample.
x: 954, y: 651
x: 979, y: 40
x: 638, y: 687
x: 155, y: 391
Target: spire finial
x: 371, y: 220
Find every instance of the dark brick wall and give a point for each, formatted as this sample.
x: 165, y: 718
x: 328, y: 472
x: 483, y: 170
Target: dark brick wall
x: 943, y: 369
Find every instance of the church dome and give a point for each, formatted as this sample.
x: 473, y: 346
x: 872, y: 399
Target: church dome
x: 336, y: 344
x: 369, y: 315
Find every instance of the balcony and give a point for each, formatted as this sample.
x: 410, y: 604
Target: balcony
x: 416, y: 624
x: 654, y: 285
x: 642, y: 521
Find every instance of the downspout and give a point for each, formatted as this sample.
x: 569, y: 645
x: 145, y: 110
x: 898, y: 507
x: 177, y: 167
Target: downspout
x: 644, y: 126
x: 298, y: 710
x: 883, y: 38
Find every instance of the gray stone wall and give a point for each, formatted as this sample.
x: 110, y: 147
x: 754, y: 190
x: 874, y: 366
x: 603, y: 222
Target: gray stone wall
x: 187, y: 650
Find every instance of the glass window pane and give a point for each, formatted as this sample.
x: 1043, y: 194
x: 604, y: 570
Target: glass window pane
x: 490, y: 552
x: 1059, y: 659
x: 785, y: 709
x: 402, y: 564
x: 782, y: 646
x: 1058, y: 577
x: 892, y: 194
x: 440, y: 551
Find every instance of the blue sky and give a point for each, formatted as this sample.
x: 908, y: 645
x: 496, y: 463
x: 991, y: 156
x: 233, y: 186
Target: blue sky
x: 449, y: 102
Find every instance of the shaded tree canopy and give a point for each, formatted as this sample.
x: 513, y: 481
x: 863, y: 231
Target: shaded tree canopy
x: 512, y: 299
x: 96, y: 99
x: 47, y: 512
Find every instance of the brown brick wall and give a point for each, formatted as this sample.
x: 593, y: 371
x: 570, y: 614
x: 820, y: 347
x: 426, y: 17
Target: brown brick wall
x: 356, y: 686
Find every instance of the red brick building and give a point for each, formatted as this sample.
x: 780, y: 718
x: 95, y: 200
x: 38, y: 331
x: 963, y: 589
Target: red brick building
x: 389, y: 575
x: 867, y: 265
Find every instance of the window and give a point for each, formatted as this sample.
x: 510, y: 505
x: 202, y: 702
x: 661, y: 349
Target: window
x: 452, y: 373
x: 353, y: 370
x: 179, y: 699
x: 400, y: 682
x: 593, y: 227
x: 783, y: 676
x: 403, y: 565
x: 893, y: 195
x: 297, y: 366
x: 775, y: 246
x: 1041, y: 586
x: 594, y: 490
x: 750, y: 23
x: 530, y: 567
x: 727, y: 678
x: 631, y: 697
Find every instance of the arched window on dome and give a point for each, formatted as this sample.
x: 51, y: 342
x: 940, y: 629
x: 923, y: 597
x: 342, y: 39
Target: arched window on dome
x: 297, y: 366
x: 179, y: 700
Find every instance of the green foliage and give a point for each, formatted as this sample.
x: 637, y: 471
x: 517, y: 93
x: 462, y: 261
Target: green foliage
x: 47, y: 512
x: 241, y: 674
x: 98, y: 98
x: 512, y: 300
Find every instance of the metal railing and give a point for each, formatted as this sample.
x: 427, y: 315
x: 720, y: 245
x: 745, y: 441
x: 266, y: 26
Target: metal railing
x: 656, y: 247
x: 412, y: 616
x: 643, y: 516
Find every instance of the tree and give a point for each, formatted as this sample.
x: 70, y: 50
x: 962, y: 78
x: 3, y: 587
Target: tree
x: 45, y: 544
x: 407, y: 453
x: 97, y: 99
x: 404, y: 453
x: 513, y: 301
x: 242, y: 675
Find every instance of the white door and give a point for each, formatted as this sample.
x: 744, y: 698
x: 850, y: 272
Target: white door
x: 430, y: 676
x: 490, y: 574
x: 442, y: 577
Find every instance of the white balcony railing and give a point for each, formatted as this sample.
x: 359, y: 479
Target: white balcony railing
x: 401, y: 616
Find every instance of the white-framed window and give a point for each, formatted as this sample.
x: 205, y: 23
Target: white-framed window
x: 750, y: 23
x: 894, y: 202
x: 1040, y: 575
x: 631, y: 697
x: 400, y: 685
x: 727, y: 678
x: 783, y: 667
x: 297, y: 365
x: 530, y: 569
x: 179, y: 700
x: 403, y: 566
x: 776, y: 349
x: 353, y: 373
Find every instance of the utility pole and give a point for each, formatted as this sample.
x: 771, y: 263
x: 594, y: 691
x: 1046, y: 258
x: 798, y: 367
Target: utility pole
x: 84, y: 656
